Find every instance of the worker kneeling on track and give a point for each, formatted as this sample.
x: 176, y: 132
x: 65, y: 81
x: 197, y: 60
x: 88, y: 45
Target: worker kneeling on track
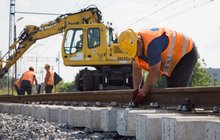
x: 159, y: 51
x: 27, y: 81
x: 49, y: 79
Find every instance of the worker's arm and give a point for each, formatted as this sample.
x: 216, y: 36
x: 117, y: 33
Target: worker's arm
x: 152, y: 77
x: 139, y: 96
x: 137, y: 75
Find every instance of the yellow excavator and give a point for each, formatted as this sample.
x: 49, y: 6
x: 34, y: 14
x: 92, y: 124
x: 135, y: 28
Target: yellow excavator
x: 87, y: 41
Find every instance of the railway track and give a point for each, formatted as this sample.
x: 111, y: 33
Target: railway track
x: 202, y: 97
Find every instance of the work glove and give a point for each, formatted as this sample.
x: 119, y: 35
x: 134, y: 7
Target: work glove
x: 139, y: 99
x: 132, y: 103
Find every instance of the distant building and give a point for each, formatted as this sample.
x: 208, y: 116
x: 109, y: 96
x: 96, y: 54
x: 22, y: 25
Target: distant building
x: 215, y: 75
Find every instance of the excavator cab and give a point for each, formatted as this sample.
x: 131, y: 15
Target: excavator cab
x: 80, y: 43
x: 91, y: 44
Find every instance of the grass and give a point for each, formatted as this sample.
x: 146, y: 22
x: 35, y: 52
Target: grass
x: 4, y: 91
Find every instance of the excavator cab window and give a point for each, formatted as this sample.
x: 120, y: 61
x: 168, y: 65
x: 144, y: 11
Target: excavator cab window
x: 108, y: 37
x: 111, y: 36
x: 73, y: 41
x: 93, y: 36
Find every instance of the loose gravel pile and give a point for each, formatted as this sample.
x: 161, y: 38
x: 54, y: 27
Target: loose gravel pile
x: 18, y: 127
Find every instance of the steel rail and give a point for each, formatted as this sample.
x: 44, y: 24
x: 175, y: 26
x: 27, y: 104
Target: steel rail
x: 205, y: 97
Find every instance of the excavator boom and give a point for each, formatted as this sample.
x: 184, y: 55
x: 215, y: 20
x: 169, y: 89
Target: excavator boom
x: 31, y: 34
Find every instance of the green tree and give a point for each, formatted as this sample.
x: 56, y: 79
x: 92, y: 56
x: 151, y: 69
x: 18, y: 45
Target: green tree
x: 3, y: 86
x: 3, y: 82
x: 215, y: 82
x: 200, y: 77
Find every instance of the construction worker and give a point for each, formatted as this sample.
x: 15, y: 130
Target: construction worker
x: 79, y: 43
x: 49, y: 79
x: 159, y: 51
x: 94, y: 38
x: 27, y: 81
x: 17, y: 85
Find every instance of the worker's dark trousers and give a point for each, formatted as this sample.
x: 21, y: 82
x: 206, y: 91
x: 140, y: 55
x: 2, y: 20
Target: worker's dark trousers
x: 48, y: 88
x: 182, y: 72
x: 25, y: 86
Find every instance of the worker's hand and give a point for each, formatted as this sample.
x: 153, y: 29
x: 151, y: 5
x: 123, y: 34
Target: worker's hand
x: 139, y: 99
x: 135, y: 92
x: 133, y: 103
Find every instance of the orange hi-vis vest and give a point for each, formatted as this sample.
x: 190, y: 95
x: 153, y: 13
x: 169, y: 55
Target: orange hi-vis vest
x: 51, y: 78
x: 178, y: 46
x: 29, y: 76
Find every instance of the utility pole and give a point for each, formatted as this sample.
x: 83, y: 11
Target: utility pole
x: 11, y: 30
x: 15, y: 67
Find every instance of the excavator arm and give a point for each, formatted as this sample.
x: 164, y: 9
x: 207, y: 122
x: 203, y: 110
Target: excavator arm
x: 32, y: 33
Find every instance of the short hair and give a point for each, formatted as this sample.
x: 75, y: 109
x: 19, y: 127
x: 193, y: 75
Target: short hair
x: 31, y: 68
x: 47, y: 65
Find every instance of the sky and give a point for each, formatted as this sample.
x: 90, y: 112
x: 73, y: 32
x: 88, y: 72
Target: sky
x: 198, y: 19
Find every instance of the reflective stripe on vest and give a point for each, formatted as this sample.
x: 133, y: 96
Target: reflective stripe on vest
x: 178, y: 46
x: 170, y: 53
x: 29, y: 76
x: 51, y: 78
x: 185, y: 44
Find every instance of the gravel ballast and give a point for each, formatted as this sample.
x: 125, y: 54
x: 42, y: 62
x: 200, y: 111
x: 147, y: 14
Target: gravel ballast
x: 17, y: 127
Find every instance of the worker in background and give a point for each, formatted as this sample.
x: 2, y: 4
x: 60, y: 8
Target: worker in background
x: 79, y: 43
x: 159, y: 51
x: 17, y: 85
x: 94, y: 38
x: 49, y: 79
x: 27, y: 81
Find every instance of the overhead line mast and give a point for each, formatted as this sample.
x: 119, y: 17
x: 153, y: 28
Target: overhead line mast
x: 11, y: 34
